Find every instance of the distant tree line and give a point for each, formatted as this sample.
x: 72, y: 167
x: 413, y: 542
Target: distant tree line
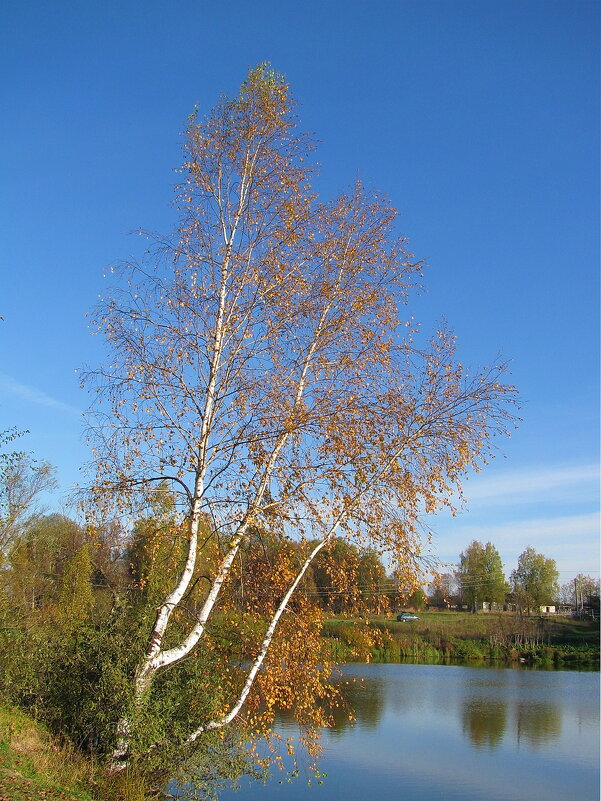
x: 480, y: 579
x: 51, y: 561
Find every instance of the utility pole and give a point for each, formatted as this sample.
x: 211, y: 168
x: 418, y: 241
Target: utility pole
x: 579, y: 599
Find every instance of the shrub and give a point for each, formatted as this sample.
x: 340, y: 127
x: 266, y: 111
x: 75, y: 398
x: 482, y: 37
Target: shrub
x: 469, y: 649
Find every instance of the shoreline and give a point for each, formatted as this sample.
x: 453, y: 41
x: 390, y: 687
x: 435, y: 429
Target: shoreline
x: 466, y: 639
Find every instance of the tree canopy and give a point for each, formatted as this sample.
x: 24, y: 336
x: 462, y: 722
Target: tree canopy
x: 480, y: 575
x: 265, y: 366
x: 535, y: 580
x: 22, y: 481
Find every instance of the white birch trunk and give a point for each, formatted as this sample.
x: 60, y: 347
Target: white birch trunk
x: 256, y: 666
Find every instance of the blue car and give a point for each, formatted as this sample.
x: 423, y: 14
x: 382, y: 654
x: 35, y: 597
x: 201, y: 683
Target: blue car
x: 405, y: 617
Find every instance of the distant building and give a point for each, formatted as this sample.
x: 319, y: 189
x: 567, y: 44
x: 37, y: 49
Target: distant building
x: 488, y: 606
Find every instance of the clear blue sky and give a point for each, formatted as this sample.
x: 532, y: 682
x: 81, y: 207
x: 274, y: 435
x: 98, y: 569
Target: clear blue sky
x: 479, y: 119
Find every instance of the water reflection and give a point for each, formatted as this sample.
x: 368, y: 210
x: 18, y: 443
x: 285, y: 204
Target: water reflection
x: 492, y: 707
x: 538, y: 723
x: 362, y: 704
x: 364, y: 700
x: 426, y: 732
x: 484, y: 722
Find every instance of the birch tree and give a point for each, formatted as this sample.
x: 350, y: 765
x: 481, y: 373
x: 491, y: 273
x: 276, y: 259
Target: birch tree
x: 264, y: 366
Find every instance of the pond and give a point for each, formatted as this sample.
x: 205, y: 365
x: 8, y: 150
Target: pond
x: 426, y: 732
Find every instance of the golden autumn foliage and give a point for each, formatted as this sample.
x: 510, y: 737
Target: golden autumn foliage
x: 265, y: 366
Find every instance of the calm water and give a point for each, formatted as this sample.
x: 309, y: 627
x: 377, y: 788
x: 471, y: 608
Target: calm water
x: 426, y: 732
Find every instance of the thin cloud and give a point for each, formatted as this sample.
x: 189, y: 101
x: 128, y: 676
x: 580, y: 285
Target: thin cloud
x: 547, y: 529
x: 572, y: 540
x: 11, y: 386
x: 528, y: 486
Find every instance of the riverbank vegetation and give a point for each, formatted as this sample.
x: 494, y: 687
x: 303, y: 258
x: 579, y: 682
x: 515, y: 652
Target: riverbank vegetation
x: 455, y: 637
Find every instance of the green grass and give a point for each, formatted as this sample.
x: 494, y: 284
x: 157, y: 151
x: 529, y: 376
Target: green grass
x: 34, y: 767
x: 569, y: 631
x: 463, y: 637
x: 562, y: 631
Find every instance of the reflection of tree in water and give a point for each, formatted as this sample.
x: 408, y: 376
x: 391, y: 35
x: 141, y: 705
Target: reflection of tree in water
x: 364, y: 700
x: 536, y: 722
x: 484, y: 722
x: 361, y: 700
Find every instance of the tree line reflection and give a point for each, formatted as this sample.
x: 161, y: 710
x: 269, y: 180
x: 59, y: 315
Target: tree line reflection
x: 487, y: 722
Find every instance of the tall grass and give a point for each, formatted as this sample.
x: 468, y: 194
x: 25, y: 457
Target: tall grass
x: 36, y: 765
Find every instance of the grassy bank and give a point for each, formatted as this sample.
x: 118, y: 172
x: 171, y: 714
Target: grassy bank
x: 34, y: 765
x: 462, y: 637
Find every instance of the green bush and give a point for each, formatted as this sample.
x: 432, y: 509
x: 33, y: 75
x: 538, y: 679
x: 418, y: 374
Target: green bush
x: 465, y: 650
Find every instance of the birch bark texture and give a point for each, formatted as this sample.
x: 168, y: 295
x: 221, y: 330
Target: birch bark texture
x: 265, y: 365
